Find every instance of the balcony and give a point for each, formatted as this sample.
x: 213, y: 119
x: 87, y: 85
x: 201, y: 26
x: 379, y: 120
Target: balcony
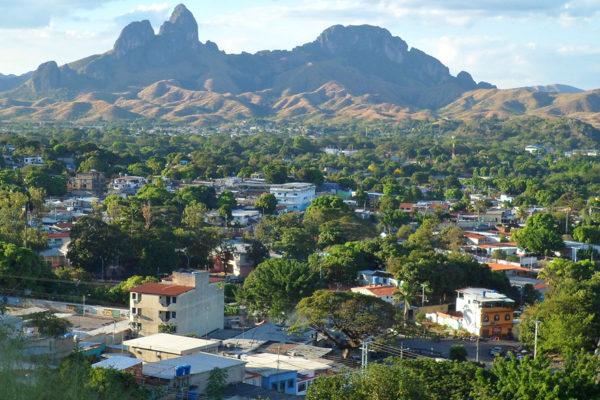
x: 166, y: 316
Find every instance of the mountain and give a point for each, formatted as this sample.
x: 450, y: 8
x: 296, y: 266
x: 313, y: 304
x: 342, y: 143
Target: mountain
x: 346, y: 73
x: 362, y: 71
x: 556, y: 88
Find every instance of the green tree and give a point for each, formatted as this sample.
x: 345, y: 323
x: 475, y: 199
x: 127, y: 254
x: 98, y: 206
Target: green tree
x: 295, y: 243
x: 276, y: 286
x: 458, y: 353
x: 275, y: 172
x: 587, y: 234
x: 217, y: 380
x: 539, y: 235
x: 267, y: 203
x: 345, y: 318
x: 48, y: 324
x: 310, y: 174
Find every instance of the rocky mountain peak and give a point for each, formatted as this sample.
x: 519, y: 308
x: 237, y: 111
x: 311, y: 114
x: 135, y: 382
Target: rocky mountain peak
x: 362, y: 39
x: 181, y: 25
x: 46, y: 77
x: 134, y: 35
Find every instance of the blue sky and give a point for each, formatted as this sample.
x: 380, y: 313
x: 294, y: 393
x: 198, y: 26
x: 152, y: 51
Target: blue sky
x: 509, y: 43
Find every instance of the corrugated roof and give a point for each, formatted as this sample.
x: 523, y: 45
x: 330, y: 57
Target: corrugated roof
x: 118, y: 362
x: 505, y: 267
x: 164, y: 289
x: 200, y: 362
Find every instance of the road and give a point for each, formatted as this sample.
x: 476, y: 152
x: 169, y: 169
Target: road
x: 442, y: 348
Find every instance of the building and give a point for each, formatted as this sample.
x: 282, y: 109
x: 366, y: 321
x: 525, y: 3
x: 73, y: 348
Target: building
x: 295, y: 196
x: 128, y: 184
x: 286, y: 374
x: 88, y: 182
x: 188, y: 302
x: 36, y: 160
x: 368, y: 277
x: 168, y: 372
x: 164, y: 346
x: 385, y: 293
x: 485, y: 312
x: 122, y: 363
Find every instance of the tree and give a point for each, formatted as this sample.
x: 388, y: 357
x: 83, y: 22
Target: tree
x: 458, y: 353
x: 48, y: 324
x: 215, y: 386
x: 345, y: 318
x: 406, y: 294
x: 537, y: 379
x: 267, y: 203
x: 587, y: 234
x: 110, y: 383
x: 539, y: 235
x: 295, y: 243
x: 167, y: 328
x: 93, y: 244
x: 275, y: 173
x: 276, y: 286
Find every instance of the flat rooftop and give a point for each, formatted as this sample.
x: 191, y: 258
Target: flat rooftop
x: 118, y: 362
x: 172, y: 344
x: 268, y: 364
x: 199, y: 362
x: 485, y: 295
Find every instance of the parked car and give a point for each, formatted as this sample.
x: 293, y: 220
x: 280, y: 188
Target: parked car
x: 494, y: 351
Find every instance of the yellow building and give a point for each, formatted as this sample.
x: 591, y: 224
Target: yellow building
x: 186, y: 302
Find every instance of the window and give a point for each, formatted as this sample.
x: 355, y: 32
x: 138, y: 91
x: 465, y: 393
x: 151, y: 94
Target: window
x: 486, y: 318
x: 132, y: 296
x: 290, y: 383
x: 173, y: 314
x: 497, y: 317
x: 139, y: 312
x: 274, y: 386
x: 302, y: 387
x: 133, y: 310
x: 139, y: 327
x: 507, y: 317
x: 174, y: 299
x: 282, y: 386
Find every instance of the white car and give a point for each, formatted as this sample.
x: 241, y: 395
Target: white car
x: 495, y: 351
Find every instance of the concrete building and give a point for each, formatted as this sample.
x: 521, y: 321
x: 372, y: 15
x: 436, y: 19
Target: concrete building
x: 385, y: 293
x: 165, y: 373
x: 187, y: 301
x: 295, y: 196
x: 88, y: 182
x: 164, y: 346
x: 485, y: 312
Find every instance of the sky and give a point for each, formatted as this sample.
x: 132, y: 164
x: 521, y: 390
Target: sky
x: 509, y: 43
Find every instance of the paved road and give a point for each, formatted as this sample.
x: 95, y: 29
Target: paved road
x: 442, y: 348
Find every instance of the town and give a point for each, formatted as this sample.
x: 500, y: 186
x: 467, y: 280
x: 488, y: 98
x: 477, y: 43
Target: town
x: 273, y: 262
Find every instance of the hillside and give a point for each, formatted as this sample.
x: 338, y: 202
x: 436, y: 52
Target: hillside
x: 346, y: 73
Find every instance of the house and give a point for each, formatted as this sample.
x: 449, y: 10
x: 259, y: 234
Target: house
x: 368, y: 277
x: 244, y: 217
x: 122, y: 363
x: 286, y: 374
x: 35, y: 160
x: 238, y: 261
x: 495, y: 217
x: 128, y: 184
x: 485, y: 312
x: 88, y: 182
x: 192, y: 370
x: 164, y: 346
x: 295, y: 196
x: 478, y: 238
x: 187, y: 301
x: 385, y: 293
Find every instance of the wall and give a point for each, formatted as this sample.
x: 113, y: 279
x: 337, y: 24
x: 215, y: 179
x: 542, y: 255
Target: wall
x: 235, y: 374
x: 267, y: 382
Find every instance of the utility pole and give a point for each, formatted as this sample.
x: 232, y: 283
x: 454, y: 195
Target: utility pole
x: 364, y: 359
x: 477, y: 350
x: 423, y: 286
x: 535, y: 338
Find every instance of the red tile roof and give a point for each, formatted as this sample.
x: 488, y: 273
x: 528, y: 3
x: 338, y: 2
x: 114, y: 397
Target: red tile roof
x: 380, y: 290
x: 164, y: 289
x: 59, y: 235
x: 474, y: 236
x: 505, y: 267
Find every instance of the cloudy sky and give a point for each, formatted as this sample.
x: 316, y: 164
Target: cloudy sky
x: 509, y: 43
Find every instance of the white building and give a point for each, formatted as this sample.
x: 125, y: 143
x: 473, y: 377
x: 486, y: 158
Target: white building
x: 485, y: 312
x: 295, y: 196
x: 33, y: 160
x: 187, y: 301
x: 128, y: 183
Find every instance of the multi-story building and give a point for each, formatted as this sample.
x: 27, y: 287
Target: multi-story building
x: 485, y: 312
x: 88, y: 182
x: 187, y: 302
x: 295, y: 196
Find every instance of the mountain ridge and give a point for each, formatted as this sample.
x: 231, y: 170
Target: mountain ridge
x: 347, y: 72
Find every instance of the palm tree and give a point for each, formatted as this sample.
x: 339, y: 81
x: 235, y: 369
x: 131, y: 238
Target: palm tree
x: 522, y: 213
x: 407, y: 293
